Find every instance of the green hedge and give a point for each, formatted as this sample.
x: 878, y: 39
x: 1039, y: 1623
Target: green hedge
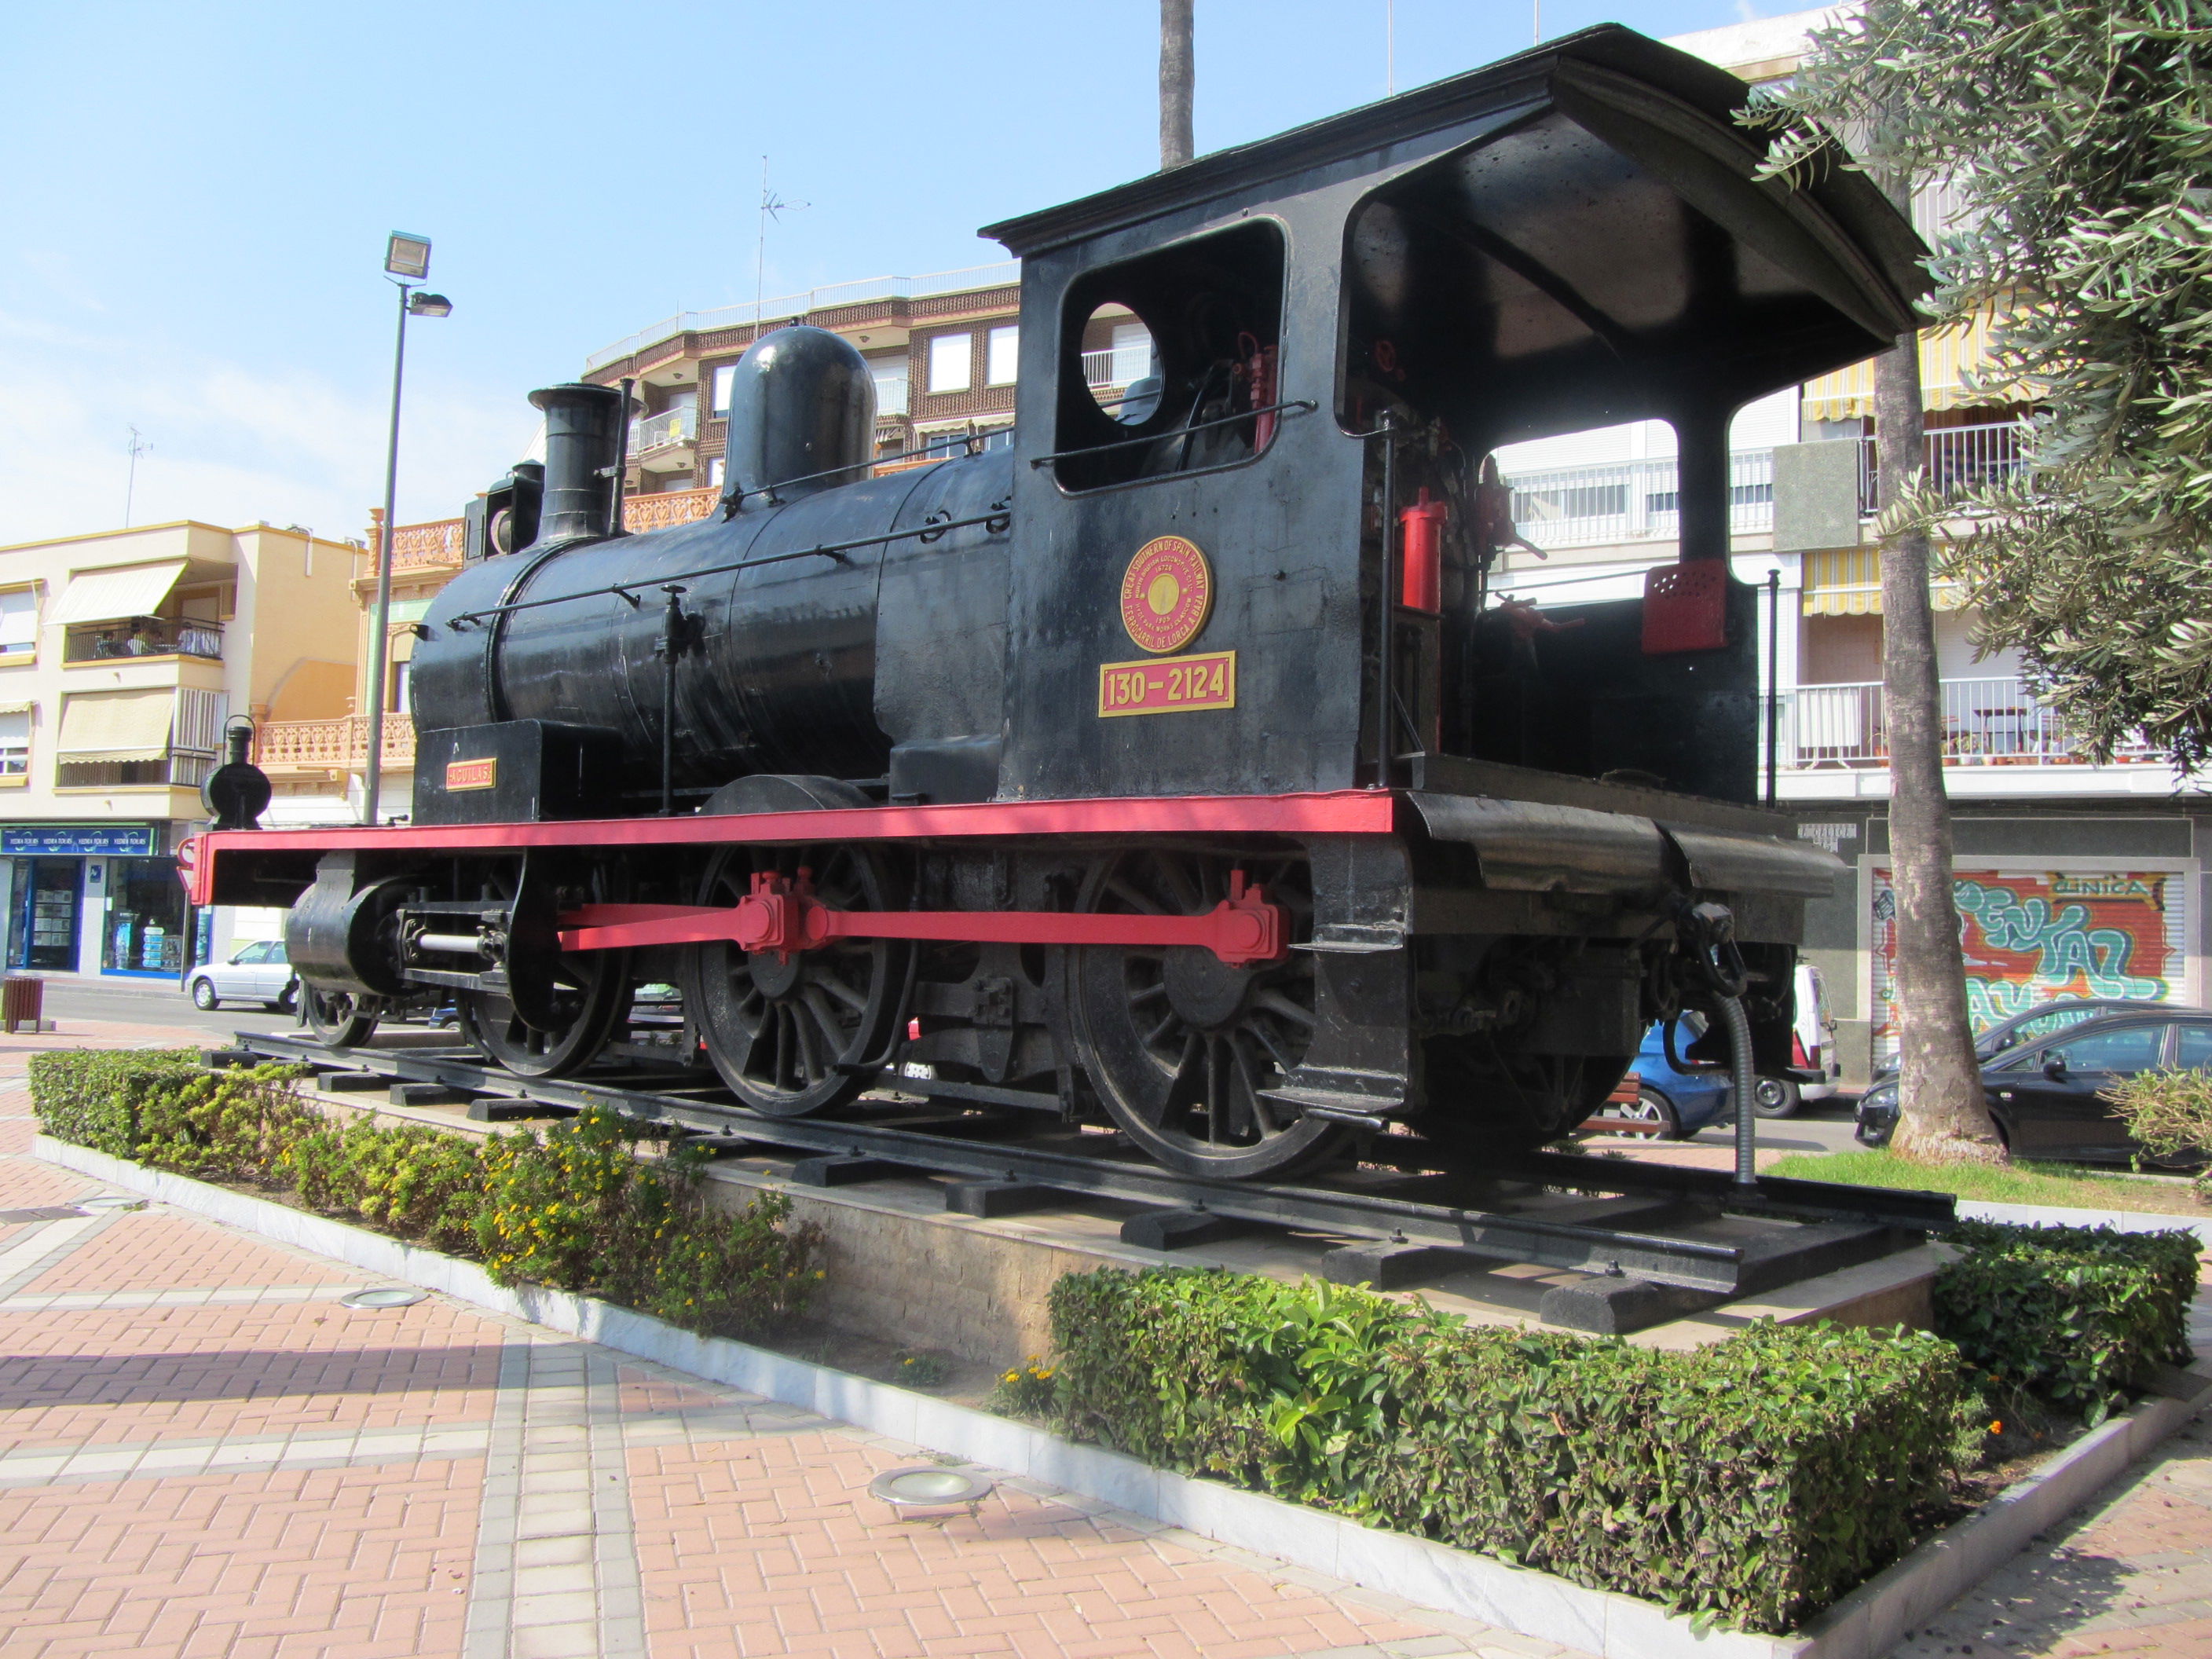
x: 571, y: 1206
x: 1756, y: 1479
x: 2073, y: 1315
x: 94, y: 1097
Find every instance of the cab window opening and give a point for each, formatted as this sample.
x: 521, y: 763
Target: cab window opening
x: 1174, y: 346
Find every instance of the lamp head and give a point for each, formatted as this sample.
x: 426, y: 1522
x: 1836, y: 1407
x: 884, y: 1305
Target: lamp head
x: 407, y: 256
x: 429, y: 305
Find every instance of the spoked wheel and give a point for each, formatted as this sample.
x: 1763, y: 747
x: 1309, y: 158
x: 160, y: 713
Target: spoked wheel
x: 789, y: 1036
x: 590, y: 994
x: 1182, y: 1048
x: 339, y: 1019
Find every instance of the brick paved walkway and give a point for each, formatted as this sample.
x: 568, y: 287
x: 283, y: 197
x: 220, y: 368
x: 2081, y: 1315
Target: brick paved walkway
x: 203, y: 1452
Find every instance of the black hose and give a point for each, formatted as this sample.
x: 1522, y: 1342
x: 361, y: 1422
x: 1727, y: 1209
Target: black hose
x: 1746, y: 1120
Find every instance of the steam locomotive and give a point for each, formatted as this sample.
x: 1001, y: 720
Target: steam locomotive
x: 1175, y: 769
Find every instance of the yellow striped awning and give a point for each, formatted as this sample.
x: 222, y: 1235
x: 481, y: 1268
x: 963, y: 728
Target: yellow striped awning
x: 1947, y: 356
x: 1846, y: 581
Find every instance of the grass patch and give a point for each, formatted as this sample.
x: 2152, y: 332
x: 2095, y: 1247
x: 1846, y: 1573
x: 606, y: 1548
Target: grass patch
x: 2064, y: 1184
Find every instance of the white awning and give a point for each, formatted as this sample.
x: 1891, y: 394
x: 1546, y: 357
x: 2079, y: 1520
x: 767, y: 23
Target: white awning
x: 134, y: 590
x: 116, y: 726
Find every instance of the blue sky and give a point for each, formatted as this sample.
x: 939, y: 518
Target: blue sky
x: 195, y: 196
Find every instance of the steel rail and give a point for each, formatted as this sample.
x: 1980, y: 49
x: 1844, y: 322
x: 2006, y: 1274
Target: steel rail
x: 1691, y: 1263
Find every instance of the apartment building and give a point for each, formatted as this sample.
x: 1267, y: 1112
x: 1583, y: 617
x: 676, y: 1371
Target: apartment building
x: 124, y: 655
x: 942, y: 350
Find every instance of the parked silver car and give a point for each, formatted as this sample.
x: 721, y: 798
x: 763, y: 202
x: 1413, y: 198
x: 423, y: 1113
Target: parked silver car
x: 259, y: 972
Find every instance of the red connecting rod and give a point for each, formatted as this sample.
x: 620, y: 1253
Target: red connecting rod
x: 782, y: 915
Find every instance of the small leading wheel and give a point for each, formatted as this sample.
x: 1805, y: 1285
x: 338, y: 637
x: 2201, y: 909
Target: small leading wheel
x: 1774, y: 1097
x: 339, y: 1019
x: 793, y: 1036
x: 1184, y: 1049
x: 591, y: 992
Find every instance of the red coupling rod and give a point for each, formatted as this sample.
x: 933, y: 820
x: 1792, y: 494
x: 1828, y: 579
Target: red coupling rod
x: 782, y: 915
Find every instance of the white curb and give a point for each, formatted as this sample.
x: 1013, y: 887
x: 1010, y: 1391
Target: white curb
x: 1864, y: 1625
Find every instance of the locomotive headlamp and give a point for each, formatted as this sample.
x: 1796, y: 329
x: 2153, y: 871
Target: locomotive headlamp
x: 429, y: 305
x: 407, y: 256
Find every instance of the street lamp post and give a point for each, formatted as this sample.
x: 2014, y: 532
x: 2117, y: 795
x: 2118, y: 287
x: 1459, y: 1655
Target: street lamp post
x: 407, y: 263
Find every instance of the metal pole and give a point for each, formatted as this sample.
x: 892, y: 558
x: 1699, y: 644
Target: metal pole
x: 1773, y: 675
x: 670, y: 649
x: 1387, y: 688
x: 621, y: 456
x: 380, y: 625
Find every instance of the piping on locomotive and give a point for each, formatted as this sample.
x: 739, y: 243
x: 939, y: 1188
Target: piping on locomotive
x: 1174, y: 768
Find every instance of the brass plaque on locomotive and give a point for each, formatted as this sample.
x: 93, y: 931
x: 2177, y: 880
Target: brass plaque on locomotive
x: 472, y: 774
x: 1167, y: 685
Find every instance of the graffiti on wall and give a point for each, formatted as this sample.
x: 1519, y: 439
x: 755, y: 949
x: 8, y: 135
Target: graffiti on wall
x: 2029, y: 936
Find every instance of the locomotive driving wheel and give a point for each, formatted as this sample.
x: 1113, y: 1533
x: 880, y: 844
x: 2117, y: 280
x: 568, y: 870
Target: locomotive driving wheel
x: 795, y: 1035
x: 589, y: 993
x: 1182, y: 1047
x: 339, y: 1019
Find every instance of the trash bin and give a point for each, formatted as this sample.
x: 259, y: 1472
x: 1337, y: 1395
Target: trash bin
x: 23, y: 999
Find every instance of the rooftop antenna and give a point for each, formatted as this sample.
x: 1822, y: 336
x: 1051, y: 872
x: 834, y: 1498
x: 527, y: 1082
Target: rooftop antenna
x: 138, y: 446
x: 1536, y: 22
x: 1390, y: 47
x: 772, y: 206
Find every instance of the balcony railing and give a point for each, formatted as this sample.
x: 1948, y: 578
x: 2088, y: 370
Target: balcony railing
x: 331, y: 746
x: 438, y: 544
x: 1004, y: 274
x: 667, y: 509
x: 1632, y: 501
x: 158, y: 637
x: 1957, y: 459
x: 1986, y: 722
x: 673, y: 426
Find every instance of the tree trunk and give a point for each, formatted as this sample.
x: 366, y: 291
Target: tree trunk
x: 1942, y: 1115
x: 1177, y: 77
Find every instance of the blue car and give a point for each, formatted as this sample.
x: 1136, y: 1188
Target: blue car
x: 1672, y: 1103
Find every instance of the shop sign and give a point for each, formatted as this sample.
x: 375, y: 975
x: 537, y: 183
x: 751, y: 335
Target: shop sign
x: 81, y: 840
x: 2030, y: 936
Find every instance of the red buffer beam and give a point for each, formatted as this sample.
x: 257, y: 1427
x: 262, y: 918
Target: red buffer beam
x: 783, y: 916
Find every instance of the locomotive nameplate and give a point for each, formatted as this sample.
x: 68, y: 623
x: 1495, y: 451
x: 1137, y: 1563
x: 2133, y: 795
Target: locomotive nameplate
x: 1167, y: 685
x: 472, y: 774
x: 1167, y: 593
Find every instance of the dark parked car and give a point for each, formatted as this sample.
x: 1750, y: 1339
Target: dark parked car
x: 2046, y: 1018
x: 2045, y: 1093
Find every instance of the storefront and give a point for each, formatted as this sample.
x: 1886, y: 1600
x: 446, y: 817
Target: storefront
x: 84, y: 898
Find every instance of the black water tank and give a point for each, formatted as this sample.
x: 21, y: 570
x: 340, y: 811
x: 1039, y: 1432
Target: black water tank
x: 802, y: 414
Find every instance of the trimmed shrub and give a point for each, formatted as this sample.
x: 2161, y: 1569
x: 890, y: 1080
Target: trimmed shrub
x: 2171, y: 1114
x: 408, y: 1179
x: 2072, y: 1315
x: 234, y: 1125
x: 92, y: 1096
x: 1756, y: 1479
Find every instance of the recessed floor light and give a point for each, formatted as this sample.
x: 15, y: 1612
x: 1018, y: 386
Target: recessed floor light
x: 111, y: 1201
x: 928, y: 1487
x: 387, y: 1296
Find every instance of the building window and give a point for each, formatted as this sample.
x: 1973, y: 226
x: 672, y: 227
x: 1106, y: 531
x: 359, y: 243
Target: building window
x: 724, y: 374
x: 950, y: 369
x: 714, y: 468
x: 15, y: 743
x: 890, y: 385
x: 1003, y: 359
x: 999, y: 437
x: 19, y: 624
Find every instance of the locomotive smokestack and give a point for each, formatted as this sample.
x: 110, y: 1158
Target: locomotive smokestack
x: 802, y: 414
x: 583, y: 433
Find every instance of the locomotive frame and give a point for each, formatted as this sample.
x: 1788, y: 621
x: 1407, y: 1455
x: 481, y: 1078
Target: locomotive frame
x: 1382, y: 853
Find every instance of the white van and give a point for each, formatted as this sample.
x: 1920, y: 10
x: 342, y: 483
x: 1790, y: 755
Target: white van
x: 1814, y: 1064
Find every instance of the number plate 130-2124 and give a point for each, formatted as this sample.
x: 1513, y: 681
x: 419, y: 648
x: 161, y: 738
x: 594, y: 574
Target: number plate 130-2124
x: 1167, y: 685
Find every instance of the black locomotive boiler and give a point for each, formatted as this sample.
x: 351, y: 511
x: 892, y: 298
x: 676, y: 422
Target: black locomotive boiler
x: 1174, y: 769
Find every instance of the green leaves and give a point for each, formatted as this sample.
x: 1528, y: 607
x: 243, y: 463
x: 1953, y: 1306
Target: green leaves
x: 2070, y: 1315
x: 1751, y: 1481
x: 2076, y: 132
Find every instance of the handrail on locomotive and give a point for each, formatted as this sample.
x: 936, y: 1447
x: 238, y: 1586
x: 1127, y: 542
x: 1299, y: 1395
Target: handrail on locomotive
x: 1174, y: 769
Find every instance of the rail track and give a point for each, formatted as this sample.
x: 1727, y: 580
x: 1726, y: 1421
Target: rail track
x: 1655, y: 1240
